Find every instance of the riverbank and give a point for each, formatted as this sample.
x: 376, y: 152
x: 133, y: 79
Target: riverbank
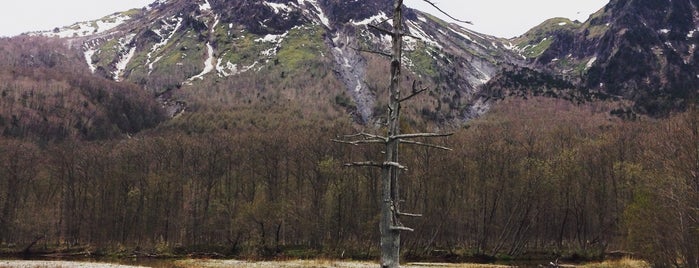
x: 191, y: 263
x: 208, y: 263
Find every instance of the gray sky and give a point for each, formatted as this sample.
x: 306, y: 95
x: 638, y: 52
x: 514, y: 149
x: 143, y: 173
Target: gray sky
x: 19, y: 16
x: 502, y: 18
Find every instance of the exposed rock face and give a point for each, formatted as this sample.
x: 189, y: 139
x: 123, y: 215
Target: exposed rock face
x: 175, y: 44
x: 642, y: 50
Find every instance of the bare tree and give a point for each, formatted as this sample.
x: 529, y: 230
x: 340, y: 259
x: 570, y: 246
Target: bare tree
x: 390, y: 222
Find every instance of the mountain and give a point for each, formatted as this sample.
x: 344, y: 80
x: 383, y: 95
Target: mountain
x: 220, y: 53
x: 46, y: 95
x: 215, y: 55
x: 639, y: 50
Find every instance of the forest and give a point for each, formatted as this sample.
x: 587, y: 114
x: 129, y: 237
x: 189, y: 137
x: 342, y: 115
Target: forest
x: 534, y: 176
x: 90, y: 165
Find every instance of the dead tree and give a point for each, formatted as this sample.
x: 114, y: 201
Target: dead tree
x: 390, y: 222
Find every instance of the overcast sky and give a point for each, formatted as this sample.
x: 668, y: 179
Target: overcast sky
x: 502, y: 18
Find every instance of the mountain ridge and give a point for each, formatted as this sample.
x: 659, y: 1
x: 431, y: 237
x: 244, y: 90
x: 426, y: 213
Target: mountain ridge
x: 641, y: 50
x: 452, y: 59
x: 171, y: 45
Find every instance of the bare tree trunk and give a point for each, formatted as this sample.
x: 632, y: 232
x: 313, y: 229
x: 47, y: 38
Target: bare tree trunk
x: 390, y: 225
x: 390, y: 237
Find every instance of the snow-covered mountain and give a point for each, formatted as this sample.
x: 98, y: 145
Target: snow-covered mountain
x: 218, y: 53
x: 177, y: 44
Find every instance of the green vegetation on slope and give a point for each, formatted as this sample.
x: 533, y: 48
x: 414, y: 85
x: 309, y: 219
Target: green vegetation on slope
x: 537, y: 40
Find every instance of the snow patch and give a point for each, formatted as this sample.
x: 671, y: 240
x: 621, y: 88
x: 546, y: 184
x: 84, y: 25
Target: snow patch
x: 125, y: 58
x: 231, y: 69
x: 668, y: 44
x: 690, y: 34
x: 376, y: 18
x: 217, y: 20
x: 269, y: 52
x: 590, y: 63
x: 321, y: 15
x: 562, y: 23
x: 278, y: 7
x: 89, y: 50
x: 466, y: 34
x: 417, y: 31
x: 83, y: 29
x: 88, y: 58
x: 664, y: 31
x: 359, y: 85
x: 123, y: 62
x: 208, y: 63
x: 272, y: 38
x: 167, y: 27
x: 205, y: 6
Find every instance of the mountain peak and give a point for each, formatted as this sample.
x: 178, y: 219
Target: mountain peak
x: 642, y: 50
x: 178, y: 45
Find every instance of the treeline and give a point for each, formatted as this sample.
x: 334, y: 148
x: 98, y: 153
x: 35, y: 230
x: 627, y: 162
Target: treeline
x: 545, y: 176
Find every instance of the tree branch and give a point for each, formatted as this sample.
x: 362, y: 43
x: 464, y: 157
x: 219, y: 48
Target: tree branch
x: 408, y: 214
x: 415, y: 92
x: 392, y: 33
x: 364, y: 164
x: 395, y: 164
x: 365, y: 135
x: 358, y: 142
x: 420, y: 135
x: 427, y: 145
x: 376, y: 164
x: 402, y: 228
x: 380, y: 29
x: 445, y: 13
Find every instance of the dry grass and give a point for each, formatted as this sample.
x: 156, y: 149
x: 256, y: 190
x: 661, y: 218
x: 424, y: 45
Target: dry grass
x: 623, y: 263
x: 314, y: 264
x: 192, y: 263
x: 59, y: 264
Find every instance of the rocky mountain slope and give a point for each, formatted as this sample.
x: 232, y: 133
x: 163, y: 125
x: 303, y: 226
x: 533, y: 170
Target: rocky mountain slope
x: 310, y: 48
x: 216, y: 54
x: 641, y: 50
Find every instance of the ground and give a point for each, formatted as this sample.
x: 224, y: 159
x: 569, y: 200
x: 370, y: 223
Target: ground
x: 230, y: 264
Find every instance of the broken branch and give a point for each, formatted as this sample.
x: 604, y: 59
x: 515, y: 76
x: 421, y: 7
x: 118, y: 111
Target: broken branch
x: 416, y: 91
x: 408, y: 214
x: 445, y: 13
x: 402, y: 228
x: 401, y: 34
